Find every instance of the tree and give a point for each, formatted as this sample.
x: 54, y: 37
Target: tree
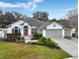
x: 0, y: 11
x: 17, y: 15
x: 6, y: 19
x: 9, y: 18
x: 73, y: 18
x: 43, y: 16
x: 53, y: 20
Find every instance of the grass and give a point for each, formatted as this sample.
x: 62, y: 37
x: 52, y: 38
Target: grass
x: 16, y: 51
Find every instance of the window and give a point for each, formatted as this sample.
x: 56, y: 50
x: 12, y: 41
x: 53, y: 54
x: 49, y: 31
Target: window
x: 15, y: 30
x: 34, y: 30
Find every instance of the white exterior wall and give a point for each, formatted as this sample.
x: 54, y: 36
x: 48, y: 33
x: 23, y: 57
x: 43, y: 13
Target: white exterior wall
x: 44, y: 33
x: 9, y: 30
x: 18, y: 24
x: 73, y: 30
x: 54, y: 26
x: 63, y: 34
x: 3, y: 32
x: 70, y: 33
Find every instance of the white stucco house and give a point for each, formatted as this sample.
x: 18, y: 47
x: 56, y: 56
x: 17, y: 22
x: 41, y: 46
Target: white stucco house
x: 26, y: 27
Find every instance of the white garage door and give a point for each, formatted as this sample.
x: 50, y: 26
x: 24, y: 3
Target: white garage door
x: 54, y: 33
x: 68, y: 33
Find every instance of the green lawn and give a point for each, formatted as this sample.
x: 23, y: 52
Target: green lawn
x: 17, y: 51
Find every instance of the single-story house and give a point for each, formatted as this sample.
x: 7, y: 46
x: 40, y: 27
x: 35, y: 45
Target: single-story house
x: 27, y: 26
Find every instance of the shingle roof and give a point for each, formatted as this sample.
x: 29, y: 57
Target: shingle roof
x: 44, y: 25
x: 48, y: 23
x: 33, y: 22
x: 39, y: 24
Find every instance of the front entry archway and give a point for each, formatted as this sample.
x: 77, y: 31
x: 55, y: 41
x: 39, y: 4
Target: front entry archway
x: 25, y: 31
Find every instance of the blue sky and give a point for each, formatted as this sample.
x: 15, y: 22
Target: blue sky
x: 55, y: 8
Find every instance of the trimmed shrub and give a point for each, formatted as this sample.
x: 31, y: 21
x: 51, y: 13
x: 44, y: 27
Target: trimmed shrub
x: 41, y: 41
x: 75, y: 35
x: 50, y: 43
x: 47, y: 42
x: 19, y: 40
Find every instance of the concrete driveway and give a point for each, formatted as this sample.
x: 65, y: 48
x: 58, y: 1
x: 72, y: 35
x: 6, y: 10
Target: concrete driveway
x: 69, y: 45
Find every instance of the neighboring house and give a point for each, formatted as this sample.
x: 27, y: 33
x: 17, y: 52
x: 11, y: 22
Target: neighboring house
x: 26, y: 27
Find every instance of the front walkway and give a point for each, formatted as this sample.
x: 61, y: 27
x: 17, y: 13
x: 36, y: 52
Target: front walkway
x: 69, y: 45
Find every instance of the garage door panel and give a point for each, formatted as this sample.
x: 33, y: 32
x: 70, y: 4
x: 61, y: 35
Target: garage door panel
x: 55, y: 33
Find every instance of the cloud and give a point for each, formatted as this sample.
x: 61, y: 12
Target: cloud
x: 3, y: 4
x: 38, y: 1
x: 31, y: 5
